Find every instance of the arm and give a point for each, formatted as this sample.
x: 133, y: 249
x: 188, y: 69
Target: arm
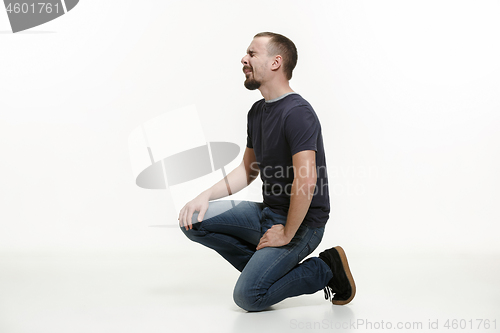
x: 304, y: 183
x: 237, y: 179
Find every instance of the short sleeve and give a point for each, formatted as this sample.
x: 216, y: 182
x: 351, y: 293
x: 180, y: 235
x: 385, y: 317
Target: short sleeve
x: 302, y: 129
x: 249, y: 132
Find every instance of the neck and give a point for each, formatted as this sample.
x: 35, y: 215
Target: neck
x: 275, y: 89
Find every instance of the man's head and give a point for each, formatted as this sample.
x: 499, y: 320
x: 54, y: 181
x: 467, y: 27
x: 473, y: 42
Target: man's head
x: 269, y: 53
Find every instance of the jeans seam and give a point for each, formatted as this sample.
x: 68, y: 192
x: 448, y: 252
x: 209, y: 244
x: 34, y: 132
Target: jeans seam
x: 307, y: 243
x: 212, y: 235
x: 230, y: 225
x: 267, y: 295
x: 276, y: 262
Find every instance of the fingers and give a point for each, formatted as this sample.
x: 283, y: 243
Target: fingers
x: 184, y: 222
x: 186, y: 214
x: 272, y: 237
x: 186, y: 217
x: 201, y: 215
x: 263, y: 242
x: 180, y: 218
x: 183, y: 218
x: 189, y: 219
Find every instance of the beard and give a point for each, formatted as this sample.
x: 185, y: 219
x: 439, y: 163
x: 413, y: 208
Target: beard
x: 252, y: 84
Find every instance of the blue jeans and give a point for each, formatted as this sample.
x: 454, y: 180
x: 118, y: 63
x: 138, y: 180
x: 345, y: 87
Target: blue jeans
x: 268, y: 276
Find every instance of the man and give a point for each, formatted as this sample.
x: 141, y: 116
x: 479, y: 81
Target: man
x: 267, y: 241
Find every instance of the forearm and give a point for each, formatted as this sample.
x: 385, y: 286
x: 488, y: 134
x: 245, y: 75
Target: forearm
x: 303, y: 186
x: 300, y: 200
x: 235, y: 181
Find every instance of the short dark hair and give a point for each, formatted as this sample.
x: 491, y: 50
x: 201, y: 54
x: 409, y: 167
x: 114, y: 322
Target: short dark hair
x: 281, y: 45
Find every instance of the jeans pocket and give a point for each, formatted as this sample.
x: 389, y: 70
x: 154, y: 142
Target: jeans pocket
x: 313, y: 242
x: 316, y: 238
x: 305, y: 251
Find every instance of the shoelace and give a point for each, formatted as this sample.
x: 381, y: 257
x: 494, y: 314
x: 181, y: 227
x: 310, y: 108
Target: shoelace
x: 328, y: 293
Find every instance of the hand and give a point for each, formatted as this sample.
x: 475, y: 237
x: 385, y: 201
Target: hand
x: 199, y: 204
x: 274, y: 237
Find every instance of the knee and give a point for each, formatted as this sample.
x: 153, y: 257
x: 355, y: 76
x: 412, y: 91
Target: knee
x: 190, y: 233
x: 246, y: 298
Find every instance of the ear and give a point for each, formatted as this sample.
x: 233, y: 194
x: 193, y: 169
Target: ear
x: 278, y: 60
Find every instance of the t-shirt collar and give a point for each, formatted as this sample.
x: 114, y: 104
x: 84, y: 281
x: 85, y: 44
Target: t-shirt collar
x: 281, y: 97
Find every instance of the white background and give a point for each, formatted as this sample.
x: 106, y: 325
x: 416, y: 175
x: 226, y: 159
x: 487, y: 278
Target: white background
x: 407, y: 94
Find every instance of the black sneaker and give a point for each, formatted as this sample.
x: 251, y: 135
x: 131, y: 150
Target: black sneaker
x: 342, y: 283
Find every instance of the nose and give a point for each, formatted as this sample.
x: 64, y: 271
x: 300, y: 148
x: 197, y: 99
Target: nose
x: 244, y: 60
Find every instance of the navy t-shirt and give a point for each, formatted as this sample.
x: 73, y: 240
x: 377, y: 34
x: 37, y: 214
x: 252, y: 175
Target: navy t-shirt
x: 278, y: 129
